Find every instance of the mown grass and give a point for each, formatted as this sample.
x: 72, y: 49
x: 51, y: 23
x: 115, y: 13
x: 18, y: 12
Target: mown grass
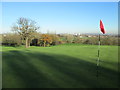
x: 62, y: 66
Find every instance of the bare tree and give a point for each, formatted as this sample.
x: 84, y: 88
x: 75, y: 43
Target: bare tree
x: 25, y: 27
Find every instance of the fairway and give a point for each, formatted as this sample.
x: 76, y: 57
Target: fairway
x: 62, y: 66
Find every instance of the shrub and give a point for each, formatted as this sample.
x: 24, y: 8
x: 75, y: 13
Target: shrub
x: 11, y: 40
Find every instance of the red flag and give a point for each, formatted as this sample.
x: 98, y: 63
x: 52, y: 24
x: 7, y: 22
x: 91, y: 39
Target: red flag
x: 102, y: 27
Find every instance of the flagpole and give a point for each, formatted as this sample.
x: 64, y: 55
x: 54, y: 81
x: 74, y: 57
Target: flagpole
x: 98, y: 60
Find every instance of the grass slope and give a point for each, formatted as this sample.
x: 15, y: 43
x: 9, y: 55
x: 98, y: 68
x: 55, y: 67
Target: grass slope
x: 63, y: 66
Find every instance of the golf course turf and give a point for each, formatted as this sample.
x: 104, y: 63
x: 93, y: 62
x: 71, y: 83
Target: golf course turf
x: 62, y: 66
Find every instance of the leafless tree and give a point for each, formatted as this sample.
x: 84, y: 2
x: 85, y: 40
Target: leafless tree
x: 25, y: 27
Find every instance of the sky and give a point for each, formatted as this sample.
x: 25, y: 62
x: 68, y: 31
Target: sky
x: 59, y: 0
x: 63, y: 17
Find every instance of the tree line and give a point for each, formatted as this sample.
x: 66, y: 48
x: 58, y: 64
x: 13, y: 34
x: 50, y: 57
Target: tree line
x: 25, y: 33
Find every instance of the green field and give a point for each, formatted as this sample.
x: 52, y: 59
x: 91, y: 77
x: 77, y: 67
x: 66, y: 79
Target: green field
x: 62, y: 66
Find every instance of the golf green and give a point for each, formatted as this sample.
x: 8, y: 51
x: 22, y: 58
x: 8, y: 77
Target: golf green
x: 62, y: 66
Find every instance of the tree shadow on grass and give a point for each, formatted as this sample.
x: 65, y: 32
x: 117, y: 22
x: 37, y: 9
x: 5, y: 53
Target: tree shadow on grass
x: 42, y: 70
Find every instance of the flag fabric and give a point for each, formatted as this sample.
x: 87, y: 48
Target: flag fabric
x: 102, y: 27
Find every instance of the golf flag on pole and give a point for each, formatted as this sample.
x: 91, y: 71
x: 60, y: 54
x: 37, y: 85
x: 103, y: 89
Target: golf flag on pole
x: 103, y: 31
x: 102, y: 27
